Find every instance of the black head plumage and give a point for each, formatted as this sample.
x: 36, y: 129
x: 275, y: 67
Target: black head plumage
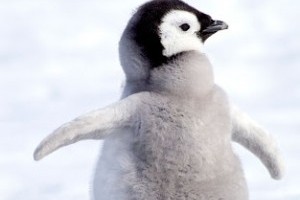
x: 145, y: 22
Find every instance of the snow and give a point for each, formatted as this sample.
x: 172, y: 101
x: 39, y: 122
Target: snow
x: 59, y: 59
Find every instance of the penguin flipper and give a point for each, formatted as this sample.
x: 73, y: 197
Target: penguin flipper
x: 96, y: 124
x: 249, y: 134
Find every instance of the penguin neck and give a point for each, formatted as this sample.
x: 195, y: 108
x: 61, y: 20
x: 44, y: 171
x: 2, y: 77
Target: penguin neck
x: 187, y: 75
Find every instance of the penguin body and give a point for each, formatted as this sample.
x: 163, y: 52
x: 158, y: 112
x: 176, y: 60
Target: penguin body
x: 180, y: 147
x: 169, y: 137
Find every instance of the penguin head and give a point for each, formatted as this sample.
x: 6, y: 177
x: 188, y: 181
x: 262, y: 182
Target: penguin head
x: 162, y: 29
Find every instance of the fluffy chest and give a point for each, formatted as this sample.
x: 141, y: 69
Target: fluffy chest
x: 170, y: 129
x: 174, y: 149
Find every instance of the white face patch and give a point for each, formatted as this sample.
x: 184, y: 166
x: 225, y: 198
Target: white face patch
x: 178, y: 33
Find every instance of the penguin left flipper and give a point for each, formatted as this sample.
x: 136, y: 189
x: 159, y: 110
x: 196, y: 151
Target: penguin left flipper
x: 249, y: 134
x: 94, y: 125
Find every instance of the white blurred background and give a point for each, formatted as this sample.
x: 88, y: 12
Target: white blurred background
x: 59, y: 59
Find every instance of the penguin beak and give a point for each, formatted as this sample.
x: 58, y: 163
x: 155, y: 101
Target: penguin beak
x: 214, y: 27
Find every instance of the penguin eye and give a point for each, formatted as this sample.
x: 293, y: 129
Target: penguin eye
x: 185, y: 27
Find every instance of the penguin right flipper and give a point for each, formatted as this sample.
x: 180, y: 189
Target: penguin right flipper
x: 93, y: 125
x: 253, y: 137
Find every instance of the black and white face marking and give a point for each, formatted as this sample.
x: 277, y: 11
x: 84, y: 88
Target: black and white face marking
x: 162, y: 29
x: 178, y: 32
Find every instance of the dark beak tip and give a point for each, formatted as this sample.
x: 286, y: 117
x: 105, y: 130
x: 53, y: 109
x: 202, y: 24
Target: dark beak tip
x: 225, y: 25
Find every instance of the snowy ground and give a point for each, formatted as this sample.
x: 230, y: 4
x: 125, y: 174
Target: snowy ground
x: 58, y: 59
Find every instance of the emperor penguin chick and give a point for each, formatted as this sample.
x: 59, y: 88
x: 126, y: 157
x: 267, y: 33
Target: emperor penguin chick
x: 169, y: 137
x: 142, y: 36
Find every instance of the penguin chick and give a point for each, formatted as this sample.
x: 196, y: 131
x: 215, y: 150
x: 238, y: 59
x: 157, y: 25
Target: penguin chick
x: 155, y: 44
x: 170, y: 136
